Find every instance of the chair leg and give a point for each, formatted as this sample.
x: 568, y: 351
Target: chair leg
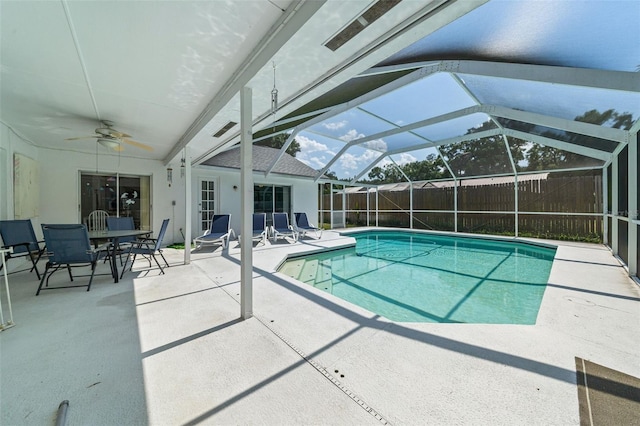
x: 124, y: 268
x: 34, y: 262
x: 165, y: 260
x: 69, y: 269
x: 158, y: 263
x: 43, y: 277
x: 93, y: 271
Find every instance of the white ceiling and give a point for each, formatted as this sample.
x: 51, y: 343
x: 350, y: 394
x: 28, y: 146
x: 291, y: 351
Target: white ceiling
x: 168, y: 73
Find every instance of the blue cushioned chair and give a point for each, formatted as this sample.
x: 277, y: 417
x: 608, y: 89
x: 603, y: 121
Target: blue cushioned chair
x: 302, y: 226
x: 68, y: 246
x: 281, y: 227
x: 219, y: 232
x: 259, y: 227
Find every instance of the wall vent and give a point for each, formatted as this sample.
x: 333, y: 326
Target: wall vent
x: 224, y: 129
x: 376, y: 10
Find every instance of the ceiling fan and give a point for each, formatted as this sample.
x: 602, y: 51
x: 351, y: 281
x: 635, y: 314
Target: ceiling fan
x: 111, y: 138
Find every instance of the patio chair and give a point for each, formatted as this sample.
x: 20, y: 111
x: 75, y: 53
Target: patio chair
x: 97, y: 220
x: 219, y: 232
x: 68, y: 246
x: 302, y: 226
x: 120, y: 224
x: 148, y: 248
x: 20, y: 236
x: 259, y: 227
x: 281, y: 227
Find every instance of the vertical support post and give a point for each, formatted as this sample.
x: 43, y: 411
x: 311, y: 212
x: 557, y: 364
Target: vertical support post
x: 344, y: 205
x: 455, y: 204
x: 410, y: 205
x: 188, y: 187
x: 368, y: 205
x: 331, y: 205
x: 515, y: 182
x: 632, y: 185
x: 377, y: 212
x: 605, y: 206
x: 246, y: 204
x: 614, y: 205
x: 321, y: 195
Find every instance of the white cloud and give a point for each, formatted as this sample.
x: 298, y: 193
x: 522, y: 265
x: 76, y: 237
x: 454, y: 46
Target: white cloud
x: 309, y: 145
x: 336, y: 125
x: 376, y: 144
x: 351, y: 135
x: 357, y: 162
x: 349, y: 161
x: 317, y: 163
x: 405, y: 158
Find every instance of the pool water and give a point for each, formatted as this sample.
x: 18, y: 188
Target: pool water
x: 417, y: 277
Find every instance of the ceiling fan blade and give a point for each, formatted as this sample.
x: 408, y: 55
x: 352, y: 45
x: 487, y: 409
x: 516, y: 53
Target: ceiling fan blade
x: 137, y: 144
x: 117, y: 134
x: 81, y: 137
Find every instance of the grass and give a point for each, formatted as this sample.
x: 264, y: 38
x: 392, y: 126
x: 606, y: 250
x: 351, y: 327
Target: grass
x: 179, y: 246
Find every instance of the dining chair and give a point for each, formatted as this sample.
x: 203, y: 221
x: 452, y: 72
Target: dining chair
x: 115, y: 223
x: 97, y: 220
x: 148, y: 248
x: 68, y: 246
x: 21, y: 238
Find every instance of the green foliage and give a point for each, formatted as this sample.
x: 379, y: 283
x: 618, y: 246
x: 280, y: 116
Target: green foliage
x: 486, y: 156
x: 278, y: 142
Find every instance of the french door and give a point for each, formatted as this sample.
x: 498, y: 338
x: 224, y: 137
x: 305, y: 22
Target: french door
x: 118, y: 195
x: 207, y: 200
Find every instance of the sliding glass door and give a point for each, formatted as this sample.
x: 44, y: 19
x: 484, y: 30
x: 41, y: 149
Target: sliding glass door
x: 271, y: 198
x: 118, y: 195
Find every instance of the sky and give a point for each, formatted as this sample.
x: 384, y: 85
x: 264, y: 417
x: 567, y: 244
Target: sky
x: 590, y: 34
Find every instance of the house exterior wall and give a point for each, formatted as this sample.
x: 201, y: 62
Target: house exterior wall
x: 304, y: 194
x: 59, y: 173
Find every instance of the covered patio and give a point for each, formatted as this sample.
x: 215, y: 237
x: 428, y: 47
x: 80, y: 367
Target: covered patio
x: 375, y: 97
x: 170, y: 349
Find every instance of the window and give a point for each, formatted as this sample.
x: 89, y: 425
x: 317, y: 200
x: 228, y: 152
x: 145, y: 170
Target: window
x: 118, y: 195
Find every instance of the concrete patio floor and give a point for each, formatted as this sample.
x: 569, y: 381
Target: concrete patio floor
x: 170, y: 349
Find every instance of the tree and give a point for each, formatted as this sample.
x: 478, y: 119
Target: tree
x: 278, y: 142
x: 542, y: 157
x: 482, y: 156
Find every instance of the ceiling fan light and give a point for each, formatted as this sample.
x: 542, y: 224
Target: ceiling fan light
x: 109, y: 143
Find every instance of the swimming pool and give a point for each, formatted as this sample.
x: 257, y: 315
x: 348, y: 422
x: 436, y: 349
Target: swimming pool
x: 421, y: 277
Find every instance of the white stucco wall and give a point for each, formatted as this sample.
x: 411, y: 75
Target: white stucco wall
x: 59, y: 179
x: 60, y: 196
x: 304, y: 196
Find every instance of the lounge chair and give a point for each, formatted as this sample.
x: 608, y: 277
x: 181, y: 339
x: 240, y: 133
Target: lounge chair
x: 20, y: 236
x: 281, y: 227
x: 259, y: 227
x: 148, y: 248
x: 302, y: 226
x: 68, y: 246
x: 219, y: 232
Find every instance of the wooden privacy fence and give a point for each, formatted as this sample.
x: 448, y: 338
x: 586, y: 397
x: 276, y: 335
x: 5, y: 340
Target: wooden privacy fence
x: 557, y: 206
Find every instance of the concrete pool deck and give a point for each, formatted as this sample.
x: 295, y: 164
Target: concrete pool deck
x: 170, y: 349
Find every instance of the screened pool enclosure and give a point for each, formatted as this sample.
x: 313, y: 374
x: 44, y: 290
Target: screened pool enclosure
x: 528, y: 131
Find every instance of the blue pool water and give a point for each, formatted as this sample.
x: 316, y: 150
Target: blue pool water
x: 417, y: 277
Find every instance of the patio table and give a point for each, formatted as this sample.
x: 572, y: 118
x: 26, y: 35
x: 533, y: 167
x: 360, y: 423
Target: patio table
x: 114, y: 238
